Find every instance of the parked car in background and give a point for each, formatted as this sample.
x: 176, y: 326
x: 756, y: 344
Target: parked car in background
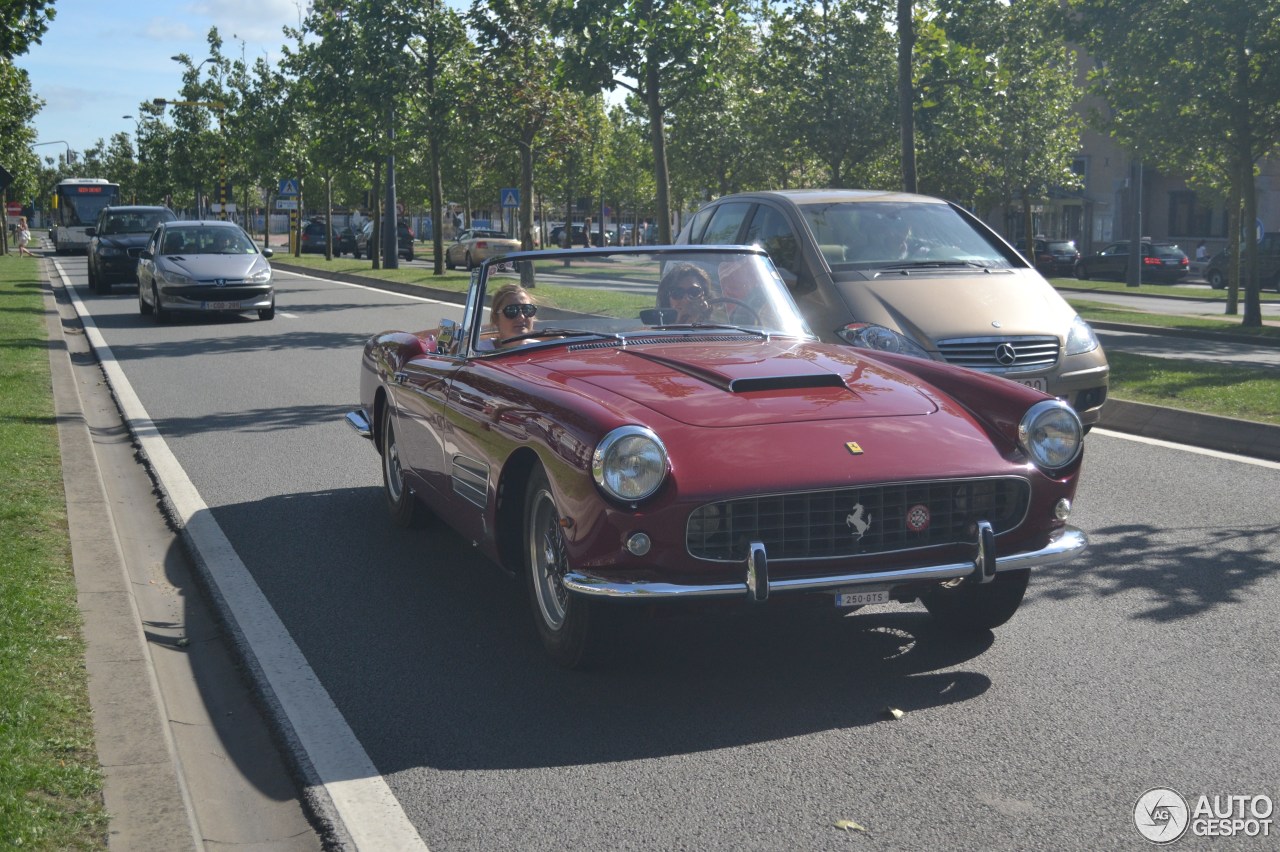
x: 366, y: 246
x: 915, y: 275
x: 557, y: 236
x: 1162, y: 263
x: 116, y: 240
x: 617, y: 455
x: 316, y: 238
x: 204, y: 267
x: 476, y: 245
x: 1053, y: 257
x: 346, y: 242
x: 1268, y: 264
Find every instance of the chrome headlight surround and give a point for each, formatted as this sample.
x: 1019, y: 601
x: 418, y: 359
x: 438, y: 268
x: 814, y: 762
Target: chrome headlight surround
x: 866, y: 335
x: 630, y: 463
x: 259, y: 276
x: 177, y: 279
x: 1051, y: 435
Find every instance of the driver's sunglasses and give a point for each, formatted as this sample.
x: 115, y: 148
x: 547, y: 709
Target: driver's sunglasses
x: 513, y: 311
x: 686, y: 292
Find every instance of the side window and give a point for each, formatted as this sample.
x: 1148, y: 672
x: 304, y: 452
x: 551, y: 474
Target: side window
x: 726, y: 221
x: 772, y: 232
x: 698, y: 224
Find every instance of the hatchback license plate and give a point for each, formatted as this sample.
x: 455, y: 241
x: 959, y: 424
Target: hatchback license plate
x: 862, y: 597
x: 222, y: 306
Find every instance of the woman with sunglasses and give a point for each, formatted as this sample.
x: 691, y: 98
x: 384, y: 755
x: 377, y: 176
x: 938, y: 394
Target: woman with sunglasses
x: 685, y: 288
x: 512, y: 311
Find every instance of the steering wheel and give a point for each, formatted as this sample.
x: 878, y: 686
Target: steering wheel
x: 736, y: 303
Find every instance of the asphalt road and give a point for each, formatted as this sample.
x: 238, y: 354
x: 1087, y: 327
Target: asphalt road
x: 1151, y: 661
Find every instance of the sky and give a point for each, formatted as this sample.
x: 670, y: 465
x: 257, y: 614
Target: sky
x: 100, y: 59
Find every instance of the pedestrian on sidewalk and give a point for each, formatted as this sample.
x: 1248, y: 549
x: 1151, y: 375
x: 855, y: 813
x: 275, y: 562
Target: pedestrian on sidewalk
x: 24, y: 237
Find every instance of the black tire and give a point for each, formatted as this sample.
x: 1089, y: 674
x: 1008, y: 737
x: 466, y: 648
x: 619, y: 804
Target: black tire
x: 143, y: 308
x: 162, y: 314
x: 404, y: 508
x: 448, y: 264
x: 1217, y: 280
x: 971, y: 607
x: 470, y: 265
x: 1082, y: 272
x: 355, y: 252
x: 564, y: 621
x: 267, y: 313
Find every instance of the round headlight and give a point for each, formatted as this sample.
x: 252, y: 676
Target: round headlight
x: 630, y: 463
x: 1050, y: 433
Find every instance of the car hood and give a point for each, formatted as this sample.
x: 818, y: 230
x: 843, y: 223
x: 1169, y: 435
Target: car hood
x: 125, y: 241
x: 746, y: 383
x: 208, y: 267
x: 942, y: 307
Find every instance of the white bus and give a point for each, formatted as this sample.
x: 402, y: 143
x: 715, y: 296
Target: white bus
x: 76, y: 205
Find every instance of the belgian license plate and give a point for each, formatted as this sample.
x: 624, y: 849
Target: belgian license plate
x: 222, y: 306
x: 863, y: 597
x: 1038, y: 384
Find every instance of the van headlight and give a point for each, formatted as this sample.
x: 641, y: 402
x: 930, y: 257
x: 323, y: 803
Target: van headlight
x: 630, y: 463
x: 865, y: 335
x: 1081, y: 339
x: 1050, y: 434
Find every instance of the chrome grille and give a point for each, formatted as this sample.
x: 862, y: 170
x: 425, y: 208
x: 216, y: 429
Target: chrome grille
x: 1000, y: 354
x: 818, y: 525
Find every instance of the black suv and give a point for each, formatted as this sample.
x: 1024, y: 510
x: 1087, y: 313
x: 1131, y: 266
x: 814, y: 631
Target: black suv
x: 1268, y: 265
x: 404, y: 242
x: 116, y: 240
x: 316, y: 238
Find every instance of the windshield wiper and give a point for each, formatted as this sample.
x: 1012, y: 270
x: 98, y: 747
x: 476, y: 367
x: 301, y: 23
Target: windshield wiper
x: 699, y: 326
x: 561, y: 332
x: 934, y: 264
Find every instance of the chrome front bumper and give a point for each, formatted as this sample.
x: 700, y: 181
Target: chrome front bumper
x: 756, y: 584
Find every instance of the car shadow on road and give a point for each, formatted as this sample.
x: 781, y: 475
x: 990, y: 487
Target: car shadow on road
x: 430, y: 653
x: 1180, y: 579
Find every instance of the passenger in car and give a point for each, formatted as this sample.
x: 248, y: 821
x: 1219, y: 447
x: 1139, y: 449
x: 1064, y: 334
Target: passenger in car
x: 685, y: 287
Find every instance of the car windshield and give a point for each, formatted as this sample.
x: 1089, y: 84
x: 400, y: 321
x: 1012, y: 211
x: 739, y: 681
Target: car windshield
x: 131, y: 223
x: 1166, y: 251
x: 207, y: 240
x: 882, y: 234
x: 1062, y: 245
x: 488, y: 235
x: 633, y: 297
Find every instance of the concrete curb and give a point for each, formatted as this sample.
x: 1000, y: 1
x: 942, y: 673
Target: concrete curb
x: 1224, y: 434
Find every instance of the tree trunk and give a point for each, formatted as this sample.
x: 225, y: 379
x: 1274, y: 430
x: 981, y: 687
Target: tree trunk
x: 658, y: 139
x: 437, y: 207
x: 906, y: 94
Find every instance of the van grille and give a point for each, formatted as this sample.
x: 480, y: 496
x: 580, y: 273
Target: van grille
x: 1001, y: 354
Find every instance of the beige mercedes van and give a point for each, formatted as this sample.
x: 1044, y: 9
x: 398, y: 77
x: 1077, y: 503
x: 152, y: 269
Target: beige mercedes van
x: 918, y: 275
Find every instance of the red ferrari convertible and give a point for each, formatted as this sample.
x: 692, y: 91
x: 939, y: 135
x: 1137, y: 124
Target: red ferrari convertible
x: 657, y: 424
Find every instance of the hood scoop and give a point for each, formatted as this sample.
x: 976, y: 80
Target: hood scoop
x: 804, y: 376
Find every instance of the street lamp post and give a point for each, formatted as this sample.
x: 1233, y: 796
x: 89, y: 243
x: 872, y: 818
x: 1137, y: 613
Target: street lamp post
x: 70, y: 154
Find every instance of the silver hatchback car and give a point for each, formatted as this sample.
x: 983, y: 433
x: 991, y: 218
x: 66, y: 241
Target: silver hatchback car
x: 917, y: 275
x: 204, y: 267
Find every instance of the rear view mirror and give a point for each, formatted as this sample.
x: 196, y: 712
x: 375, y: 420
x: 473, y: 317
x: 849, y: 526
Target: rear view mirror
x: 658, y: 316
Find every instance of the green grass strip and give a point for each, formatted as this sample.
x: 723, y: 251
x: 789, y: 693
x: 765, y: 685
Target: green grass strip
x: 1102, y: 312
x: 50, y: 782
x: 1247, y: 393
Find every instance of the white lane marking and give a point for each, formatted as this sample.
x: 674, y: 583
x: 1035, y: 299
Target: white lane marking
x: 368, y: 809
x: 286, y: 315
x: 1217, y: 454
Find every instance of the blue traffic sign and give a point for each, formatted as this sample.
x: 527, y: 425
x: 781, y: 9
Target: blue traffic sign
x: 510, y: 197
x: 288, y: 186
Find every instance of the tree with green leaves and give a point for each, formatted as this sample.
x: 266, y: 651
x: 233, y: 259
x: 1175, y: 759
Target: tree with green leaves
x: 663, y: 51
x: 834, y: 58
x: 1206, y: 69
x: 22, y: 23
x: 518, y: 96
